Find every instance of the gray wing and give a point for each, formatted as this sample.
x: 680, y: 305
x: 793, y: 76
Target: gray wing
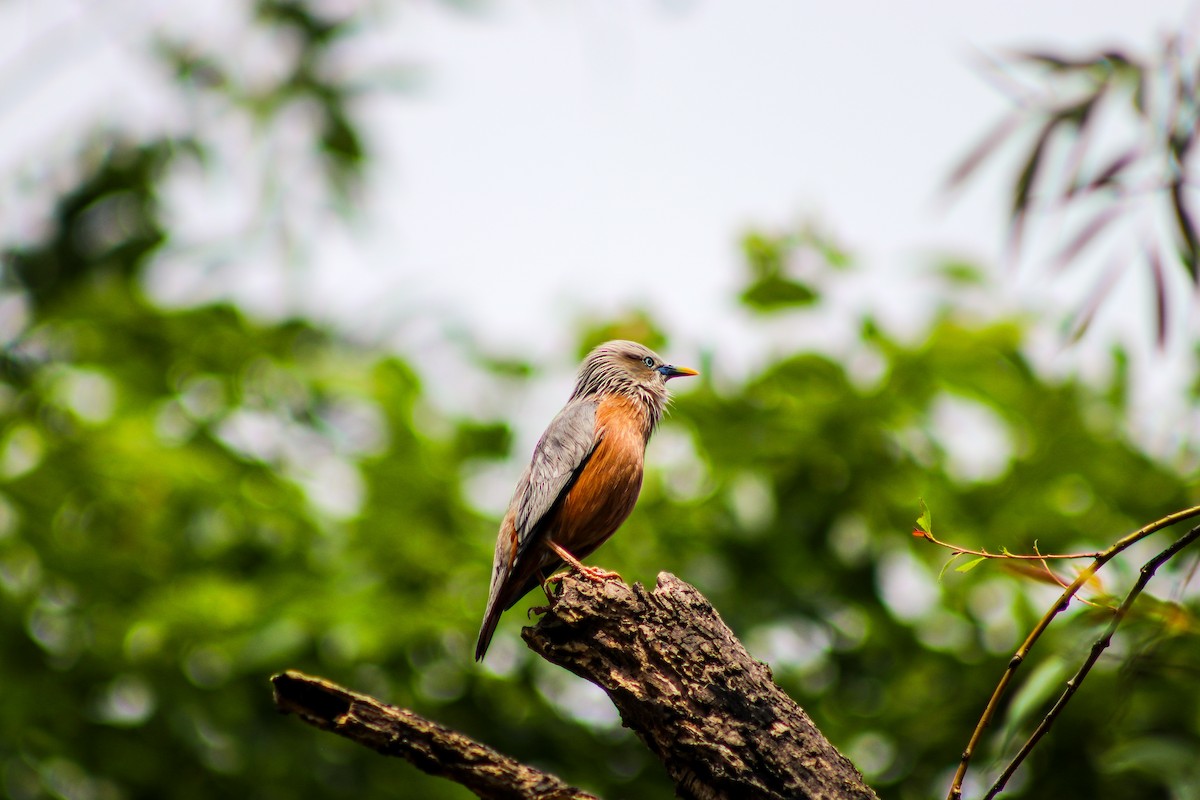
x: 558, y: 458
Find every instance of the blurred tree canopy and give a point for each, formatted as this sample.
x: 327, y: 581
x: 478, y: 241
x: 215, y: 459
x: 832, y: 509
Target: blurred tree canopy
x: 193, y: 499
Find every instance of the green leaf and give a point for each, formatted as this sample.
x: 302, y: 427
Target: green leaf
x: 970, y: 565
x: 1044, y: 682
x: 960, y: 272
x: 775, y: 293
x: 765, y: 254
x: 946, y: 566
x: 925, y: 521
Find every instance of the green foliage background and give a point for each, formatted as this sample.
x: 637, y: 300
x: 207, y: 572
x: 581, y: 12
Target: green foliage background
x: 168, y: 539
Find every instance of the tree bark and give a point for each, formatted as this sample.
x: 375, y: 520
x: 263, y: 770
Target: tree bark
x: 431, y: 747
x: 687, y: 687
x: 677, y: 675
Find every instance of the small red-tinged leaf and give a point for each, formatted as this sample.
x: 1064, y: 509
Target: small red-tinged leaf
x: 1032, y: 570
x: 970, y: 565
x: 925, y: 521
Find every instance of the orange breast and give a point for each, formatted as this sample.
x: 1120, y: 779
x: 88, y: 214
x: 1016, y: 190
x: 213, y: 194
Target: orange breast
x: 605, y: 492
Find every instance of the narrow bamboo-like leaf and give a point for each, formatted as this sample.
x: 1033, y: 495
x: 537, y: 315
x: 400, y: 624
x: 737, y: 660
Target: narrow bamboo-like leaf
x: 1086, y: 235
x: 1029, y: 172
x: 1087, y: 314
x: 1160, y: 294
x: 1110, y: 173
x: 1023, y: 189
x: 1119, y: 60
x: 980, y: 152
x: 1139, y: 95
x: 1053, y: 61
x: 1079, y: 117
x: 1190, y: 242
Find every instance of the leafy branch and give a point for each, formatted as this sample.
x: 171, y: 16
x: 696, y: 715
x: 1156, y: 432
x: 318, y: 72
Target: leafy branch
x: 1101, y: 644
x: 923, y: 530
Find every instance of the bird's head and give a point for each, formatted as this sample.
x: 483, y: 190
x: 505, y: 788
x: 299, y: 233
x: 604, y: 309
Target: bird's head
x: 631, y: 369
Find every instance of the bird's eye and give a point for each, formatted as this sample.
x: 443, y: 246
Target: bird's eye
x: 648, y: 361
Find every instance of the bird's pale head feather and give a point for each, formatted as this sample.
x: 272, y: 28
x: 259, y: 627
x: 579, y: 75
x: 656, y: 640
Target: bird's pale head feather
x: 630, y: 369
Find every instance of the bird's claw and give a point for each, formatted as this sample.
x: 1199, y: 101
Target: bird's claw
x: 553, y: 580
x: 539, y: 610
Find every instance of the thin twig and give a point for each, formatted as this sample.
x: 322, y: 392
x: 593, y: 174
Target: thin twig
x: 1060, y: 605
x: 1035, y: 556
x: 1062, y: 583
x: 1101, y: 644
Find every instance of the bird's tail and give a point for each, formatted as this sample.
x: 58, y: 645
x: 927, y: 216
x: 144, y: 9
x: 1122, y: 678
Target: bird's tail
x: 491, y: 618
x: 506, y: 589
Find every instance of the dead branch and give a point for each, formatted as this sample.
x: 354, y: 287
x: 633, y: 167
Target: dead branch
x: 679, y: 678
x: 688, y: 688
x: 430, y: 747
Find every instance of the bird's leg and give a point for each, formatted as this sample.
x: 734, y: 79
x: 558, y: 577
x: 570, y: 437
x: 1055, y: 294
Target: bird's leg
x: 544, y: 582
x: 593, y: 573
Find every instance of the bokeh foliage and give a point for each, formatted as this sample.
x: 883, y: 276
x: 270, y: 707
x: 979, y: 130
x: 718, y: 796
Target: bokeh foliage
x: 191, y: 500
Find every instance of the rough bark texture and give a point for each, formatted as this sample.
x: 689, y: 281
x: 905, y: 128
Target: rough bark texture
x: 679, y: 678
x: 688, y: 688
x: 399, y: 732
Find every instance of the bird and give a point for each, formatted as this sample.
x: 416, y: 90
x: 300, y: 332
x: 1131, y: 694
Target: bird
x: 584, y: 477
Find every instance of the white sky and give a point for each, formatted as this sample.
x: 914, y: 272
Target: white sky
x: 611, y: 153
x: 583, y: 156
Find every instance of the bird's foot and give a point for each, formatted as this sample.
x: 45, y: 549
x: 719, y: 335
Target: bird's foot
x: 592, y: 573
x: 597, y: 574
x: 553, y: 580
x: 539, y: 610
